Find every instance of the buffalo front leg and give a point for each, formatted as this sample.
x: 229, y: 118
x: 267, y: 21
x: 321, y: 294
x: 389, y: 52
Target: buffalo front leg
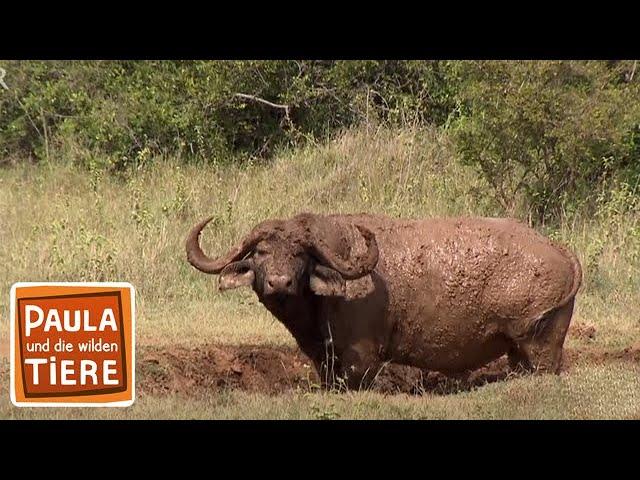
x: 359, y: 366
x: 328, y: 367
x: 353, y: 368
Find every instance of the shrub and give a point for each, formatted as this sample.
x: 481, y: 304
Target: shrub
x: 543, y: 134
x: 126, y: 111
x: 548, y: 133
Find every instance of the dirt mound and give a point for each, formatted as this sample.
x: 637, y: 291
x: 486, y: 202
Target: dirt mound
x: 247, y: 367
x: 273, y: 370
x: 597, y: 356
x: 583, y: 332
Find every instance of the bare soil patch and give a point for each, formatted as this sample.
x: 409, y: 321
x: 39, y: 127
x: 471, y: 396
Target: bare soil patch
x: 273, y: 370
x: 257, y: 368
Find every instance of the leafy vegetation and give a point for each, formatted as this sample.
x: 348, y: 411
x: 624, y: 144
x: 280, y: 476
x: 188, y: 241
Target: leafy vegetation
x: 125, y: 111
x: 553, y: 131
x: 544, y: 134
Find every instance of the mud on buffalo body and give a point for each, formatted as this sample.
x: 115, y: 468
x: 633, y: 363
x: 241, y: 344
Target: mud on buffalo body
x: 440, y: 294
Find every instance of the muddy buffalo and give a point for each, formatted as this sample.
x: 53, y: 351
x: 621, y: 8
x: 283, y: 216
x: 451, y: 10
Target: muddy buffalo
x: 441, y: 294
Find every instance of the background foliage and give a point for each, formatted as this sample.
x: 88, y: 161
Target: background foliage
x: 545, y: 135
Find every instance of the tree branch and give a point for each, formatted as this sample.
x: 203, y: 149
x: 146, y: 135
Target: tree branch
x: 286, y: 108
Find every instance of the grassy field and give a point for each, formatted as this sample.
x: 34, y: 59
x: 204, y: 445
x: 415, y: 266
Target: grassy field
x: 58, y: 223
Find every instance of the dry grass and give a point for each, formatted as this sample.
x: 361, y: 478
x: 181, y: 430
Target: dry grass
x: 589, y: 392
x: 61, y: 224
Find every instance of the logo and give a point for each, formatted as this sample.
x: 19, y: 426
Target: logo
x: 72, y: 344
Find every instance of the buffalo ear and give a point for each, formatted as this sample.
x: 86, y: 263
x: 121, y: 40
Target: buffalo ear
x: 234, y: 275
x: 327, y: 282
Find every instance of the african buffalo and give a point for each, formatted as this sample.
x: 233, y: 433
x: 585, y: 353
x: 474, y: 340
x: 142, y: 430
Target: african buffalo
x: 441, y: 294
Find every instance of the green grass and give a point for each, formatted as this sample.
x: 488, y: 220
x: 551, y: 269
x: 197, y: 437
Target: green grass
x: 59, y: 223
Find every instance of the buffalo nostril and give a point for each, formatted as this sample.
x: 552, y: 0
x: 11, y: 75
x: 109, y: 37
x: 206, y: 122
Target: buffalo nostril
x: 279, y: 283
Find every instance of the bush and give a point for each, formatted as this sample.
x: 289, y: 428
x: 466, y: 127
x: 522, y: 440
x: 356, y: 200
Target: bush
x: 123, y: 111
x: 543, y: 134
x: 547, y: 134
x: 127, y: 112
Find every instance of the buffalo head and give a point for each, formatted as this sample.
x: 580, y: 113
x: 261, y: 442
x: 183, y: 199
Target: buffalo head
x: 284, y: 257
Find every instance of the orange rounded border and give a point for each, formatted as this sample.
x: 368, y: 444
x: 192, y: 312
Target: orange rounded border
x: 26, y: 290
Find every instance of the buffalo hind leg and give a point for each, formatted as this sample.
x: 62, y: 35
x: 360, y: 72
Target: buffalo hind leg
x: 542, y: 349
x: 518, y: 359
